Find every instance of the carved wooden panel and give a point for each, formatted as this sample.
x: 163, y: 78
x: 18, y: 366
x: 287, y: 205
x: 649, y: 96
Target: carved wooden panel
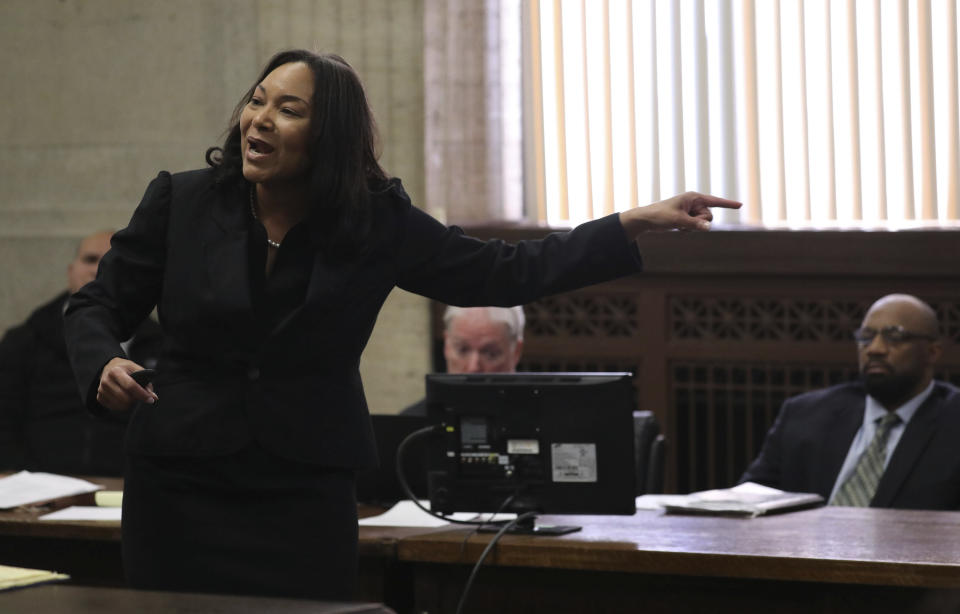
x: 949, y: 315
x: 576, y: 315
x: 765, y: 318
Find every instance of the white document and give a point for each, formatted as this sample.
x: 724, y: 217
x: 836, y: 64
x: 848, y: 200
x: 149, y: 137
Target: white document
x: 28, y: 487
x: 85, y: 512
x: 407, y: 514
x: 748, y: 499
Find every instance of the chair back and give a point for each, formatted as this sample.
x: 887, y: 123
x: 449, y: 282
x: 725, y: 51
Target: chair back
x: 645, y: 431
x: 656, y: 465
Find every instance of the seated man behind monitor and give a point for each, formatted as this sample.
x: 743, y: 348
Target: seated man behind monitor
x: 44, y: 425
x: 836, y: 442
x: 479, y: 340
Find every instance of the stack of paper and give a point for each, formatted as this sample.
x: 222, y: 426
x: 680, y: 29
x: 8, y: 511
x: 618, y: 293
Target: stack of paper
x: 108, y: 508
x: 85, y: 512
x: 747, y: 499
x: 13, y: 577
x: 27, y: 487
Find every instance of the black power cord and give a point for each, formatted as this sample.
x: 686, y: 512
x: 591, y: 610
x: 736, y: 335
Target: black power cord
x: 507, y: 525
x: 503, y: 506
x: 401, y: 449
x: 483, y: 555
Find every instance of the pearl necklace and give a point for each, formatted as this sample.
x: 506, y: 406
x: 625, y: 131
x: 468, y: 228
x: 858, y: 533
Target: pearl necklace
x: 253, y: 211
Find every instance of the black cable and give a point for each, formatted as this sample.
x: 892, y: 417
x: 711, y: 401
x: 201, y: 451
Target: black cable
x: 475, y: 530
x: 486, y: 551
x: 409, y: 492
x: 507, y: 524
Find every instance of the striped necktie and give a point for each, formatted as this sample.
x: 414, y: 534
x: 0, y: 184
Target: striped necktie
x: 860, y: 487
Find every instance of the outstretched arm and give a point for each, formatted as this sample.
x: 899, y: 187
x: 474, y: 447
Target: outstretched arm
x: 687, y: 211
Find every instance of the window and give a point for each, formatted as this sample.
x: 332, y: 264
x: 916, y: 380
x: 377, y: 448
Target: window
x: 816, y: 113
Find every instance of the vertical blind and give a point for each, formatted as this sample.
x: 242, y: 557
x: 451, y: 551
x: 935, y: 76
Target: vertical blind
x: 814, y: 113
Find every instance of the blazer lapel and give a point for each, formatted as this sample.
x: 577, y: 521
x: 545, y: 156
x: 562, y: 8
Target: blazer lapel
x: 911, y: 445
x: 849, y: 418
x: 224, y: 237
x: 325, y: 289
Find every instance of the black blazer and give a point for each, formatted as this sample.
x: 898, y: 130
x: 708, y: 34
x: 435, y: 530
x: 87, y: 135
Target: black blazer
x: 296, y: 390
x: 807, y: 444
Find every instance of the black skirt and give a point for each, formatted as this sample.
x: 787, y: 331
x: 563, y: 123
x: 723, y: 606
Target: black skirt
x: 247, y: 523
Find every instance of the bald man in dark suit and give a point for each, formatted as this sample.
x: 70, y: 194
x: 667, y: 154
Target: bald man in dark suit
x: 823, y: 441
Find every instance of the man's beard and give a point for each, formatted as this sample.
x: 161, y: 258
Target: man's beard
x: 890, y: 388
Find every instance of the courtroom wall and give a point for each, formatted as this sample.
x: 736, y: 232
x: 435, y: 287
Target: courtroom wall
x: 103, y: 94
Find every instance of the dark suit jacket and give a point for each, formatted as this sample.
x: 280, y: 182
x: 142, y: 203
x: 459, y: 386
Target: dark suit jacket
x: 296, y: 390
x: 44, y: 425
x: 805, y: 449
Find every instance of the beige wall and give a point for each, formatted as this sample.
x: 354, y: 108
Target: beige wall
x: 102, y: 94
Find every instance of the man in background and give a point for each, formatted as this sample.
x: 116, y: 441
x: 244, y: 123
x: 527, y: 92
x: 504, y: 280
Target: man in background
x: 479, y: 340
x: 43, y: 423
x: 889, y: 440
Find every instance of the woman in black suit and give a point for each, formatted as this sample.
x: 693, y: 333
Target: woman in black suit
x: 268, y: 269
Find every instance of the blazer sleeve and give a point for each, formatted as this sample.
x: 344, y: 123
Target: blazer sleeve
x: 767, y: 469
x: 17, y: 354
x: 442, y: 263
x: 127, y: 288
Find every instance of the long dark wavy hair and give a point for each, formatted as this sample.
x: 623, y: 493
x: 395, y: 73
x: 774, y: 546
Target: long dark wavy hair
x: 344, y: 171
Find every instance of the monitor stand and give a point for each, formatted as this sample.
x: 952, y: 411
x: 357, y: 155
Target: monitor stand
x: 528, y: 526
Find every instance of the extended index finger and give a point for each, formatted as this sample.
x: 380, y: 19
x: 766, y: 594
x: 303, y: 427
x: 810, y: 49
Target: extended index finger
x: 708, y: 200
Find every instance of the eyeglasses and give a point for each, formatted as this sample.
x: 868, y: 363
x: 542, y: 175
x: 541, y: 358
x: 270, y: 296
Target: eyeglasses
x: 891, y: 334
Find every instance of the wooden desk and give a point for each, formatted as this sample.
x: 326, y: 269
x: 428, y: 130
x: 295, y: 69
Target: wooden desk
x: 88, y: 551
x: 824, y: 560
x: 821, y: 560
x: 382, y: 576
x: 66, y: 599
